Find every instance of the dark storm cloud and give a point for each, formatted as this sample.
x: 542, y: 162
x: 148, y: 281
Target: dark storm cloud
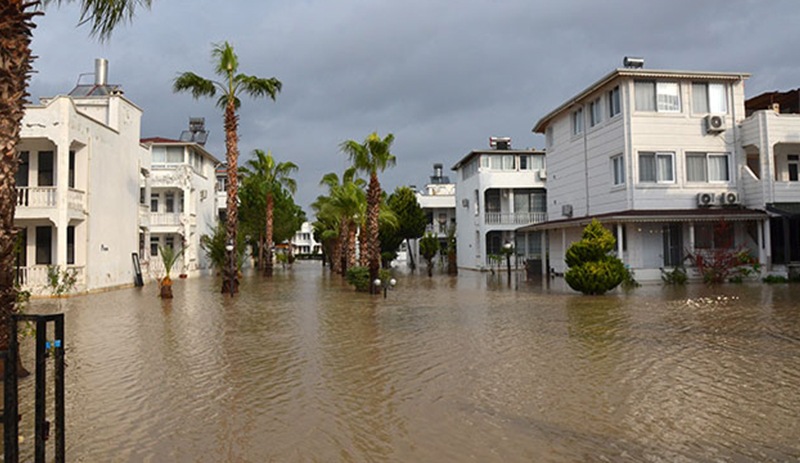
x: 442, y: 76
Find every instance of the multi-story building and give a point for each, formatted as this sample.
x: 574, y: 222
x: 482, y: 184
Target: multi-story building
x: 178, y: 200
x: 303, y: 241
x: 658, y: 157
x: 497, y: 191
x: 771, y: 176
x: 78, y: 186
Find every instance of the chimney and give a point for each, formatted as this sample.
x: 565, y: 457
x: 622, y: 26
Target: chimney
x: 437, y: 171
x: 100, y: 71
x: 500, y: 143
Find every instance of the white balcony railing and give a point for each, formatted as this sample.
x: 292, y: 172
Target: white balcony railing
x: 41, y: 196
x: 35, y: 278
x: 165, y: 218
x: 47, y: 197
x: 514, y: 218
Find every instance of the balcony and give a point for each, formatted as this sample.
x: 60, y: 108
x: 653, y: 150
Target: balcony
x: 46, y: 197
x: 35, y: 278
x: 165, y: 219
x: 514, y: 218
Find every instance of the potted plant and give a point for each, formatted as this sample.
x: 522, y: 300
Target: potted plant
x: 168, y: 257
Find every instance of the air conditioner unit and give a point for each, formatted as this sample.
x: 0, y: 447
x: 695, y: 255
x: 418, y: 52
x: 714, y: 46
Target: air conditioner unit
x: 705, y: 199
x: 542, y: 174
x: 566, y: 210
x: 715, y: 123
x: 465, y: 202
x: 730, y: 198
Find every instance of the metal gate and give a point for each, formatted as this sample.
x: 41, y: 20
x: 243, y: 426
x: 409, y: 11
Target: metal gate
x: 45, y: 349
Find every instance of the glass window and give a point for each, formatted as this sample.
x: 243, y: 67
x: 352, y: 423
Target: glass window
x: 577, y: 122
x: 708, y: 235
x: 495, y: 162
x: 656, y: 167
x: 46, y: 177
x: 657, y: 96
x: 614, y: 106
x: 22, y: 170
x: 618, y: 170
x: 169, y: 202
x: 709, y: 98
x: 595, y: 112
x: 548, y: 135
x: 531, y: 162
x: 508, y: 162
x: 153, y: 246
x: 175, y: 154
x: 707, y: 167
x: 159, y: 154
x: 153, y: 203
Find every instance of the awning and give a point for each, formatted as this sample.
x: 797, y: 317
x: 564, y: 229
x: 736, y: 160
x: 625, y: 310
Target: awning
x: 790, y: 210
x: 734, y: 214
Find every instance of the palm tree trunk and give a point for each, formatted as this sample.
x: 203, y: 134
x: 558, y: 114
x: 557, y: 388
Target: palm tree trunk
x: 363, y: 245
x: 336, y: 256
x: 232, y: 219
x: 16, y: 25
x: 351, y: 244
x: 373, y: 242
x: 261, y: 241
x: 270, y: 206
x: 344, y: 243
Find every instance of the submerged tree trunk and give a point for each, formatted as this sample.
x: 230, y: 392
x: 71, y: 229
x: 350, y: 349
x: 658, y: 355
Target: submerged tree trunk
x: 269, y: 214
x: 230, y: 274
x: 373, y: 243
x: 16, y: 25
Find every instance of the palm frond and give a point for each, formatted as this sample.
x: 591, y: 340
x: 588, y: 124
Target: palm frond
x: 225, y: 60
x: 196, y: 85
x: 258, y: 87
x: 104, y: 15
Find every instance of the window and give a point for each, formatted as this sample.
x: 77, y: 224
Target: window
x: 656, y: 167
x: 657, y: 96
x: 548, y: 136
x: 167, y: 155
x: 153, y: 246
x: 595, y: 112
x: 531, y: 162
x: 44, y: 245
x: 577, y: 122
x: 46, y: 169
x: 708, y: 235
x: 618, y: 170
x: 70, y: 245
x: 614, y: 106
x: 71, y: 173
x: 709, y: 98
x: 492, y: 200
x: 22, y: 170
x: 530, y: 200
x: 169, y: 242
x: 707, y: 167
x: 154, y: 203
x: 794, y: 163
x: 169, y: 202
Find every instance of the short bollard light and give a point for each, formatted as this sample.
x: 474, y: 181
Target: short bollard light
x: 386, y: 285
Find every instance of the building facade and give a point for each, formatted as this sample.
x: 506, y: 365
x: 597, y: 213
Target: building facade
x: 178, y: 202
x: 497, y: 191
x: 78, y: 186
x: 656, y: 156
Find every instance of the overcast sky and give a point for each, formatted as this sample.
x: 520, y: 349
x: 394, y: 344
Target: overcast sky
x: 442, y: 76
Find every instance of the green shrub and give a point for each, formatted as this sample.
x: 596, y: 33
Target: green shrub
x: 676, y: 276
x: 591, y: 269
x: 771, y: 279
x: 358, y: 276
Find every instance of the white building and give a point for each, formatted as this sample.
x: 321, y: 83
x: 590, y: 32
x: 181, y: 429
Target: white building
x: 497, y: 191
x: 178, y: 201
x: 303, y: 241
x: 78, y: 186
x: 771, y: 176
x: 438, y: 201
x: 657, y: 157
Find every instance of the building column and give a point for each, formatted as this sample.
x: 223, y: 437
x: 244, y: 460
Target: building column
x: 545, y: 251
x: 762, y: 255
x: 691, y: 237
x: 767, y: 243
x: 620, y: 233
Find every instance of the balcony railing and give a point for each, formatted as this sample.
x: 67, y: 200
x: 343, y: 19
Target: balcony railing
x: 41, y: 196
x: 165, y: 218
x: 47, y: 197
x: 514, y: 218
x: 35, y: 278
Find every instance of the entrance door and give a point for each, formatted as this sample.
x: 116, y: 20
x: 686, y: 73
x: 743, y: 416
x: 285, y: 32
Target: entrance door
x: 673, y: 240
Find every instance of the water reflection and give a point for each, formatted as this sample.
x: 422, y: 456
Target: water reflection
x: 467, y: 368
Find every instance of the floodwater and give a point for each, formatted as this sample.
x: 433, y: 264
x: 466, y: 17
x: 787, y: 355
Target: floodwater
x: 301, y: 368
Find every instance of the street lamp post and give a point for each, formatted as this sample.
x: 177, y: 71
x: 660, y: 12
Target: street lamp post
x: 232, y: 265
x: 508, y: 249
x: 385, y: 285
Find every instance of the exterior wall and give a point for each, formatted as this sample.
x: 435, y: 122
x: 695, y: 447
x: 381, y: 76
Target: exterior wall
x: 303, y: 241
x: 102, y: 204
x: 474, y: 223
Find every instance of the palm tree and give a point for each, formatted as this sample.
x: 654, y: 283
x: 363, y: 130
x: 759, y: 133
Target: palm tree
x: 16, y: 30
x: 343, y: 210
x: 231, y: 85
x: 270, y: 178
x: 370, y: 157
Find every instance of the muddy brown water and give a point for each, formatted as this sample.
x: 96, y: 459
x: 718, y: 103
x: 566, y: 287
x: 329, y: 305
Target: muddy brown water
x: 473, y: 368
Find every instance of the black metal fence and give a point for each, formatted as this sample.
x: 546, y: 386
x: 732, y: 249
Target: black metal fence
x: 45, y: 349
